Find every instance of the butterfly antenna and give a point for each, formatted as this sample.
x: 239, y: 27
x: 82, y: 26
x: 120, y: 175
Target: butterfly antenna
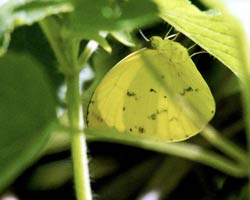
x: 143, y: 36
x: 172, y: 36
x: 176, y: 36
x: 189, y: 48
x: 199, y: 52
x: 169, y: 31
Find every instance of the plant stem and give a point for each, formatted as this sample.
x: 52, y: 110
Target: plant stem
x: 88, y: 51
x: 66, y: 54
x: 78, y: 141
x: 182, y: 149
x: 224, y: 145
x: 50, y: 29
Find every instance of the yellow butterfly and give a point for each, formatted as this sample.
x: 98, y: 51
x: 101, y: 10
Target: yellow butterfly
x: 155, y: 93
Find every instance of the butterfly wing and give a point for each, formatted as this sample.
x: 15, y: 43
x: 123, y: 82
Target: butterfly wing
x: 150, y: 93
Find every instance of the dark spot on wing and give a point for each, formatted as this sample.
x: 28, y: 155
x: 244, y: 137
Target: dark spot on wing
x: 196, y: 89
x: 189, y: 89
x: 162, y: 111
x: 185, y: 90
x: 212, y: 111
x: 124, y: 108
x: 130, y: 94
x: 141, y: 130
x: 152, y: 90
x: 99, y: 118
x: 164, y: 96
x: 153, y: 116
x: 130, y: 129
x: 182, y: 93
x: 162, y: 76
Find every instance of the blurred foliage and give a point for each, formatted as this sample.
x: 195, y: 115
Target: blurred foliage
x: 26, y: 102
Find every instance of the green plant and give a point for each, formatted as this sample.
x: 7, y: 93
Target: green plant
x: 74, y: 30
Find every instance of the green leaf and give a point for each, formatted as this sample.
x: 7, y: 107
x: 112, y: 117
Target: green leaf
x: 163, y: 172
x: 27, y: 108
x: 91, y: 18
x: 118, y: 188
x: 213, y: 31
x: 51, y: 175
x: 17, y: 13
x: 104, y: 15
x: 123, y: 37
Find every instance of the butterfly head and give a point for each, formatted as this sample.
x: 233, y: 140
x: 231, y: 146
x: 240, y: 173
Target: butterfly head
x: 156, y: 42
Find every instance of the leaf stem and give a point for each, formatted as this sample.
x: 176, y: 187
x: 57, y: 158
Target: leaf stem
x: 50, y: 29
x: 66, y: 53
x: 88, y: 51
x: 227, y: 147
x: 78, y: 140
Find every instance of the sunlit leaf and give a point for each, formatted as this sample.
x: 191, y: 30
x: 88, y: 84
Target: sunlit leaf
x: 212, y: 30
